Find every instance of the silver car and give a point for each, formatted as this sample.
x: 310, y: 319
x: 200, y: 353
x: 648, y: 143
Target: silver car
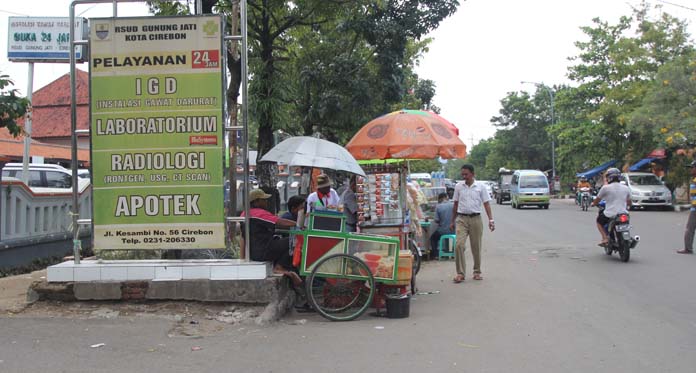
x: 647, y: 190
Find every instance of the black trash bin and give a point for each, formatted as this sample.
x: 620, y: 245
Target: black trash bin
x: 398, y: 306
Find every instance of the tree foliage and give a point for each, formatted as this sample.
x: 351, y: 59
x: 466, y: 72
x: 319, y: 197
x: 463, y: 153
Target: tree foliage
x: 522, y: 140
x: 328, y: 67
x: 633, y: 91
x: 12, y: 106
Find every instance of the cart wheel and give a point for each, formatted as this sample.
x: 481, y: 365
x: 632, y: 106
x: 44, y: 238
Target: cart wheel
x: 413, y: 283
x: 340, y: 287
x: 416, y: 254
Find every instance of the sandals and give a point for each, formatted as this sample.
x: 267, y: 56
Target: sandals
x: 684, y: 251
x: 603, y: 244
x: 458, y: 278
x: 477, y: 276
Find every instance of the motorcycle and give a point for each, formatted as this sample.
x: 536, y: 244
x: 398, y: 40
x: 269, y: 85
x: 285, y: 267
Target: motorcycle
x: 585, y: 198
x: 619, y: 232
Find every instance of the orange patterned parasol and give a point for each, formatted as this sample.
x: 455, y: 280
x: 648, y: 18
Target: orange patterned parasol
x: 407, y: 134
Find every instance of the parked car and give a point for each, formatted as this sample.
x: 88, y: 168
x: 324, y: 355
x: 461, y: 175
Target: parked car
x: 647, y: 190
x: 489, y: 186
x: 449, y: 185
x: 43, y: 177
x: 502, y: 190
x: 83, y: 173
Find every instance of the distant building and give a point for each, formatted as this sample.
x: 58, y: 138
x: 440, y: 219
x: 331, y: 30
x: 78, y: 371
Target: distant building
x: 50, y: 122
x: 13, y: 150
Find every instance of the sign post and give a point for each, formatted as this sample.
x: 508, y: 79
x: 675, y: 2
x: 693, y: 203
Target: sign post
x: 157, y: 132
x: 40, y: 39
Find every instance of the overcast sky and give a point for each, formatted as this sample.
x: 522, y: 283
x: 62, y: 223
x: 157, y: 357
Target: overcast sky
x: 478, y: 55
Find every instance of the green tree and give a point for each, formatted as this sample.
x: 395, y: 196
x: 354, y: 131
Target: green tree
x: 302, y: 55
x: 480, y: 158
x: 522, y: 139
x: 385, y: 27
x: 12, y: 106
x: 668, y: 112
x: 615, y: 71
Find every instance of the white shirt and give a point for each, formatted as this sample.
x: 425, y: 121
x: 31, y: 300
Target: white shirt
x: 615, y: 196
x: 470, y: 198
x: 314, y: 204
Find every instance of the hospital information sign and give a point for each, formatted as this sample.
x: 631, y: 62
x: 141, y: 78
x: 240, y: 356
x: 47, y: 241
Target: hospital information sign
x: 43, y: 39
x: 157, y: 132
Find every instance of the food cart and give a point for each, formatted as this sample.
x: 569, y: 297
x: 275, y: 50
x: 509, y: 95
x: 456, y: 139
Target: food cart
x: 345, y: 270
x: 399, y: 136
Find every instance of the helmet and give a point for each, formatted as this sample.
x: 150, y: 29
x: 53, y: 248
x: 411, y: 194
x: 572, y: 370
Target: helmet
x: 613, y: 175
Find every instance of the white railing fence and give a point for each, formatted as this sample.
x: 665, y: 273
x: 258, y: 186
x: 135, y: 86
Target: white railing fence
x: 25, y: 214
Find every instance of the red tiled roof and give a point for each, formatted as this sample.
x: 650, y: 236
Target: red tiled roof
x: 14, y: 149
x: 51, y: 107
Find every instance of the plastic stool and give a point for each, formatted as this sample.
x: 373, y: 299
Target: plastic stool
x: 442, y: 244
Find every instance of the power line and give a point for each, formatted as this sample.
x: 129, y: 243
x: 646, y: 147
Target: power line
x: 677, y: 5
x: 17, y: 14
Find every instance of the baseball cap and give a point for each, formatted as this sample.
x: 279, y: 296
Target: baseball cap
x: 258, y: 194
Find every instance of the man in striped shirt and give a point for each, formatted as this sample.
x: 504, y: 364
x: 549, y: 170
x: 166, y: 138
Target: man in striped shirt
x: 691, y: 222
x: 469, y: 195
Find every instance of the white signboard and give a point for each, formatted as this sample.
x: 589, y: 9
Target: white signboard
x: 43, y: 39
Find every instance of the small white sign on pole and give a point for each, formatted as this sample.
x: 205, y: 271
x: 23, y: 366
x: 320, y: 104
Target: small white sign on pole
x: 43, y: 39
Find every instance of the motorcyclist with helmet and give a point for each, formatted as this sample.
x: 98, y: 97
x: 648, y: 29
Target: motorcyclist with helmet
x: 582, y: 183
x: 617, y: 198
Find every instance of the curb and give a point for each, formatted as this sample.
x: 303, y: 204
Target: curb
x: 278, y: 296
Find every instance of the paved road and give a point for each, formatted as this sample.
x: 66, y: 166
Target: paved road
x: 551, y: 301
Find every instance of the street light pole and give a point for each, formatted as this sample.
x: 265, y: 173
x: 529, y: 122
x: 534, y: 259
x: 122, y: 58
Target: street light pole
x: 553, y: 141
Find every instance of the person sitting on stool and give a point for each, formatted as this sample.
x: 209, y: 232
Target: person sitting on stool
x: 443, y: 218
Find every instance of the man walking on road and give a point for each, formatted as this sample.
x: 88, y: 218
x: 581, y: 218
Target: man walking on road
x: 691, y: 222
x: 468, y: 198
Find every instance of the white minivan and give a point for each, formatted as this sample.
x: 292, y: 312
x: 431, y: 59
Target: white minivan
x: 529, y: 188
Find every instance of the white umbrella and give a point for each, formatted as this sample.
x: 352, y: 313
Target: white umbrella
x: 313, y: 152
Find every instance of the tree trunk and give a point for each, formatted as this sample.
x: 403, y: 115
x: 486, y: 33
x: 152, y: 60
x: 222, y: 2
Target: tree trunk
x: 267, y: 172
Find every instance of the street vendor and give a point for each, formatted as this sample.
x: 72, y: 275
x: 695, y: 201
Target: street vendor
x: 263, y: 246
x: 325, y: 198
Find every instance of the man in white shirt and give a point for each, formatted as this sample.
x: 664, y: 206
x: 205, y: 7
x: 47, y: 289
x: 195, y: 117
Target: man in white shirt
x: 469, y: 195
x: 325, y: 198
x: 617, y: 198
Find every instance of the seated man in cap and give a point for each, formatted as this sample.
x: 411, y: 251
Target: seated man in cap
x: 325, y: 198
x: 263, y: 246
